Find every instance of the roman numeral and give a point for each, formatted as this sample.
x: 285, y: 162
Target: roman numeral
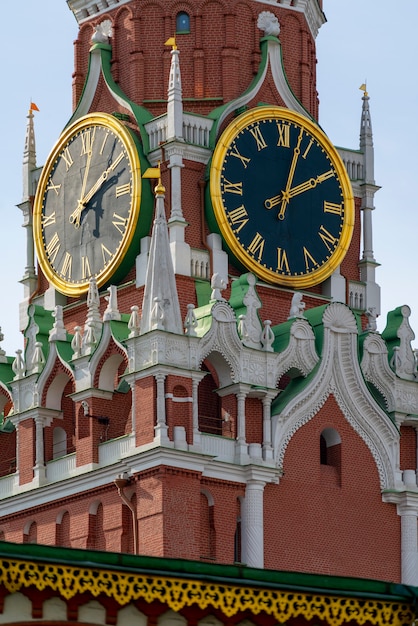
x: 67, y: 265
x: 106, y: 253
x: 48, y: 220
x: 331, y: 207
x: 308, y: 147
x: 104, y: 143
x: 52, y: 247
x: 117, y: 161
x: 259, y: 139
x: 310, y: 262
x: 282, y: 262
x: 232, y: 187
x: 256, y: 247
x: 119, y: 222
x: 85, y: 267
x: 284, y: 135
x: 66, y: 155
x: 87, y: 139
x: 238, y: 217
x: 329, y: 240
x: 52, y: 187
x: 122, y: 190
x: 235, y: 153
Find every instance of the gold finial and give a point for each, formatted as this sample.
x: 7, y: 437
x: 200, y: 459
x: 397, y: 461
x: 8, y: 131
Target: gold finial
x: 171, y: 42
x: 363, y: 87
x: 155, y: 172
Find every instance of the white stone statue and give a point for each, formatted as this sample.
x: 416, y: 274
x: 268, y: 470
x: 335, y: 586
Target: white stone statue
x: 297, y: 307
x: 218, y: 284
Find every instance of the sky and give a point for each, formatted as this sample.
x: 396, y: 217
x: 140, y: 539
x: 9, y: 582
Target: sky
x: 363, y: 40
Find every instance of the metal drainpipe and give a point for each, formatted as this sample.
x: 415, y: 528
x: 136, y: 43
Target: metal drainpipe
x: 121, y: 483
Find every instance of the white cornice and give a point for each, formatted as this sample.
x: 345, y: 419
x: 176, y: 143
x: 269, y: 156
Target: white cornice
x: 84, y: 10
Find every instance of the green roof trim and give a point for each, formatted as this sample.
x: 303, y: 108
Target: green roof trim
x: 6, y: 371
x: 218, y: 573
x: 119, y: 328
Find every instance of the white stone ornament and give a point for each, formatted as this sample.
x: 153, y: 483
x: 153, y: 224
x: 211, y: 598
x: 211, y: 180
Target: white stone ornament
x: 190, y: 321
x: 297, y: 307
x: 103, y: 32
x: 269, y: 23
x: 267, y: 337
x: 58, y: 332
x: 134, y: 322
x: 77, y: 342
x: 18, y: 366
x: 218, y: 284
x: 111, y: 311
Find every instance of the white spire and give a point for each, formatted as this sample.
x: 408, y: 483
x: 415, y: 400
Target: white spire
x: 175, y: 95
x: 160, y: 307
x: 29, y: 157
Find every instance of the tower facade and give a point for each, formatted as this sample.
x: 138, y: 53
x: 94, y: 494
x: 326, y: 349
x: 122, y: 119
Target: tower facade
x: 202, y: 376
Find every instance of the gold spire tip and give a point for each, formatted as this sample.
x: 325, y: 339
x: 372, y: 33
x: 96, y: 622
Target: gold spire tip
x: 171, y: 42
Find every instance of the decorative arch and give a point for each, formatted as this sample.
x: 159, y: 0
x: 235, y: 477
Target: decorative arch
x: 96, y: 537
x: 62, y: 530
x: 207, y: 526
x: 342, y: 378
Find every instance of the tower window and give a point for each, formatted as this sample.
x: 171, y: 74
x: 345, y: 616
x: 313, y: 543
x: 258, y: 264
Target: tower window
x: 182, y: 22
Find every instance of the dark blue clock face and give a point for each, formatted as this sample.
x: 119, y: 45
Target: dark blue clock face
x: 282, y: 198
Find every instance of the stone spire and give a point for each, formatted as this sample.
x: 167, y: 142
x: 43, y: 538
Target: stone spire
x: 368, y: 263
x: 160, y: 307
x: 29, y: 279
x: 175, y: 95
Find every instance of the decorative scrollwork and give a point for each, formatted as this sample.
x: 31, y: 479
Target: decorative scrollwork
x: 177, y: 593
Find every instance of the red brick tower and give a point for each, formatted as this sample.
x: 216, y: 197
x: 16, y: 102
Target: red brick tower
x: 191, y: 388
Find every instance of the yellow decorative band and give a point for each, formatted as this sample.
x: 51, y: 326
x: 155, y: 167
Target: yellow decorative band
x: 178, y: 593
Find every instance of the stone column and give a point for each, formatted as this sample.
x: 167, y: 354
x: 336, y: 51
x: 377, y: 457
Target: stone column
x: 409, y: 544
x: 39, y: 469
x: 196, y: 431
x: 241, y: 444
x: 161, y: 428
x: 252, y: 523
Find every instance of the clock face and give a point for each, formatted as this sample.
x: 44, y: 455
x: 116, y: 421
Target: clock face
x: 87, y: 203
x: 281, y: 197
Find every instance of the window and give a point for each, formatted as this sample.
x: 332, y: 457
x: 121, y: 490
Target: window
x: 182, y: 22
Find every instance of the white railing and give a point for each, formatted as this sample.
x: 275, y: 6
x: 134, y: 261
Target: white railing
x: 357, y: 295
x: 353, y: 162
x: 200, y: 264
x: 8, y: 485
x: 222, y: 448
x: 115, y: 449
x: 62, y: 468
x: 196, y: 130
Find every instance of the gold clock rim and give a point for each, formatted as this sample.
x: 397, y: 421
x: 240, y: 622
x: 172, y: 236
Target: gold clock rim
x: 124, y: 135
x: 223, y: 145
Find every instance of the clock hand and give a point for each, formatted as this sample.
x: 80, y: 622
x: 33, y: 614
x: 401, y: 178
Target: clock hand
x: 285, y: 194
x: 295, y: 191
x: 75, y: 215
x: 311, y: 183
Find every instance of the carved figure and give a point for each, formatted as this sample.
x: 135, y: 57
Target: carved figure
x: 218, y: 284
x: 297, y: 307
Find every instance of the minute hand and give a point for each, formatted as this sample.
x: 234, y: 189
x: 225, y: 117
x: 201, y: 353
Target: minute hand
x: 310, y: 184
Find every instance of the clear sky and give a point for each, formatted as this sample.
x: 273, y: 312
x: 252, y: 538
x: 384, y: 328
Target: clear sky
x: 363, y: 40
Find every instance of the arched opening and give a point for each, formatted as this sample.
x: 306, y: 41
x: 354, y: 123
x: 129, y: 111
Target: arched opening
x: 59, y: 443
x: 330, y: 454
x: 96, y: 538
x: 62, y: 535
x: 182, y: 23
x: 207, y: 526
x: 210, y: 415
x: 30, y: 534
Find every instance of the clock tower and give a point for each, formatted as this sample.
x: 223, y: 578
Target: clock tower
x: 202, y: 376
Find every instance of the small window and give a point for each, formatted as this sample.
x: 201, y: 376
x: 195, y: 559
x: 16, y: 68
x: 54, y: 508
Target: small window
x: 182, y: 22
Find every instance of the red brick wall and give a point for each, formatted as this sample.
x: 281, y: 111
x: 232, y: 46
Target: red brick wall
x: 313, y: 525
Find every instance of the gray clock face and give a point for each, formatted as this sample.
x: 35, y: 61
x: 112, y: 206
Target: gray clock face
x: 87, y: 205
